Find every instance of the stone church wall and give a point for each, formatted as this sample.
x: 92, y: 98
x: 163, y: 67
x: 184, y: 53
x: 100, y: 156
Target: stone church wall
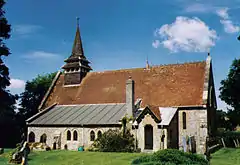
x: 196, y: 125
x: 83, y: 135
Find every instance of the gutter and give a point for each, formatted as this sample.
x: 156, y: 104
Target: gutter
x: 190, y: 106
x: 75, y: 125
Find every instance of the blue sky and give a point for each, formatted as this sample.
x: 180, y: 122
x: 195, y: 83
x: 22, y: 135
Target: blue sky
x: 121, y: 34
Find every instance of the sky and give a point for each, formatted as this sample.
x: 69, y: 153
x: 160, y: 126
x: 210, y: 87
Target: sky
x: 120, y: 34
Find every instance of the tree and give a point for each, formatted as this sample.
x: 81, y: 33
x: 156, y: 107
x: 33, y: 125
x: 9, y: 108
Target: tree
x: 222, y: 119
x: 34, y: 92
x: 230, y: 91
x: 7, y: 100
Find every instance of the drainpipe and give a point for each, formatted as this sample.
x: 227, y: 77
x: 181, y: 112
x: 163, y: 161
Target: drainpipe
x: 82, y: 136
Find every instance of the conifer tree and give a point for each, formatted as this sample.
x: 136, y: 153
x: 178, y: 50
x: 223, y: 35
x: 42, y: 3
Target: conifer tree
x: 7, y: 100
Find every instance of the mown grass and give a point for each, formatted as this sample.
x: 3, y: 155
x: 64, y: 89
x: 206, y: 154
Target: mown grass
x: 222, y: 157
x: 77, y: 158
x: 228, y: 156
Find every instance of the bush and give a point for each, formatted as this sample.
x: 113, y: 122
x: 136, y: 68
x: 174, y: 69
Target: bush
x: 170, y: 157
x: 114, y: 141
x: 14, y: 151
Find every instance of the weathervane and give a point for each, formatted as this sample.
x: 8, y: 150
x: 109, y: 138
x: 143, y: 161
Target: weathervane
x: 77, y: 21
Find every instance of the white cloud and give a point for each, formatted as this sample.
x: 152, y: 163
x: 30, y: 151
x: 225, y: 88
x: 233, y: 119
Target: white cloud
x: 26, y: 29
x: 16, y: 84
x: 229, y: 26
x: 41, y: 55
x: 186, y: 34
x: 156, y: 43
x: 223, y: 13
x: 198, y: 8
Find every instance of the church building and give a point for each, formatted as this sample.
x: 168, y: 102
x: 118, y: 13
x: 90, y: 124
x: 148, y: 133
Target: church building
x: 173, y: 106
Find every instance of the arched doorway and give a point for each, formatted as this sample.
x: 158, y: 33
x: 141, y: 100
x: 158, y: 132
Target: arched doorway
x: 148, y: 130
x: 43, y: 138
x: 31, y: 137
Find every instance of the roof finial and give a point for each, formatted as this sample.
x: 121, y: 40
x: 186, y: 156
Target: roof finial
x: 208, y: 51
x: 77, y: 21
x: 208, y: 56
x: 147, y: 64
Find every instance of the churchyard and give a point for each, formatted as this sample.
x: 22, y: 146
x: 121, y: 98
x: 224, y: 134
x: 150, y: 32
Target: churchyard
x: 228, y: 156
x: 163, y: 113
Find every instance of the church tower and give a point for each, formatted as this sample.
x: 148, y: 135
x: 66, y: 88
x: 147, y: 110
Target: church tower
x: 77, y: 66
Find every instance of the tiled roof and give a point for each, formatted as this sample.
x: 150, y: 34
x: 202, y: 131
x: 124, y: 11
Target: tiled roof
x: 87, y: 114
x: 163, y: 86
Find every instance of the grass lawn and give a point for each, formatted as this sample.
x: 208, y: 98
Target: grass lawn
x: 221, y: 157
x: 228, y: 156
x: 77, y: 158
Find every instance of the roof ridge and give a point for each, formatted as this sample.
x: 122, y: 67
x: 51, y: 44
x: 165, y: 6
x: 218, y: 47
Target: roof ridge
x: 88, y: 104
x: 143, y: 68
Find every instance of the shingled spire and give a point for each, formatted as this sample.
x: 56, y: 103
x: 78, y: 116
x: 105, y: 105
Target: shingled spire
x: 77, y: 66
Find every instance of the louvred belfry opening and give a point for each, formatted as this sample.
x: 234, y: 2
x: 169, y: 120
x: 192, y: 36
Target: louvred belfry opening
x: 77, y: 66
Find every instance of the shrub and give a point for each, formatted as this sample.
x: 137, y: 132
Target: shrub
x: 170, y: 157
x: 14, y: 151
x: 114, y: 141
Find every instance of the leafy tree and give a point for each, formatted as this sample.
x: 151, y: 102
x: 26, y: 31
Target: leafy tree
x: 34, y: 92
x: 220, y: 118
x: 230, y: 91
x: 7, y: 100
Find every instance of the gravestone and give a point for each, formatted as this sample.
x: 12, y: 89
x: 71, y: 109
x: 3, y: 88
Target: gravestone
x: 25, y: 150
x: 184, y: 144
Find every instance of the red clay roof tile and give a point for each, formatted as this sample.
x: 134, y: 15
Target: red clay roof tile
x: 167, y: 85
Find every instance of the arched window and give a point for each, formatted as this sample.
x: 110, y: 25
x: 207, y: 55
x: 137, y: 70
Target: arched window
x: 75, y: 135
x: 92, y: 136
x: 99, y: 134
x: 43, y: 138
x: 68, y: 135
x: 31, y: 137
x: 184, y: 120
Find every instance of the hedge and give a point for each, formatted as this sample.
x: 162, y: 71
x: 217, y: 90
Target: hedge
x: 170, y: 157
